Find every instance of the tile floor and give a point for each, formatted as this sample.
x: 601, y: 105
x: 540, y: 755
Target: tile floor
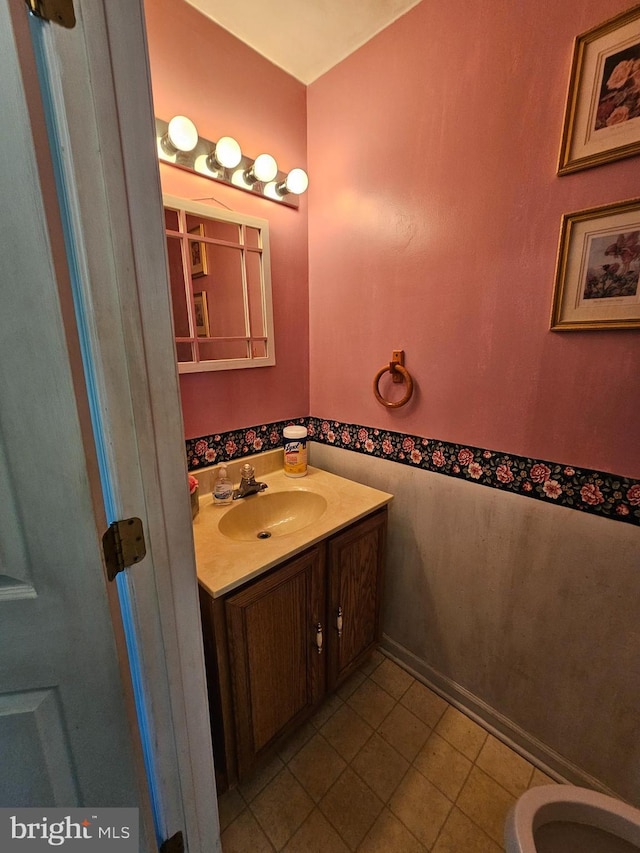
x: 385, y: 766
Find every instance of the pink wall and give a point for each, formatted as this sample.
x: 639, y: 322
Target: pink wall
x: 434, y: 221
x: 200, y: 70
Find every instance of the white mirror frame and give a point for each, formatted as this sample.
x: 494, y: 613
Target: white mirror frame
x: 193, y: 208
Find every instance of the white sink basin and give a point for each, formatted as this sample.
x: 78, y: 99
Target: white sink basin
x: 265, y: 515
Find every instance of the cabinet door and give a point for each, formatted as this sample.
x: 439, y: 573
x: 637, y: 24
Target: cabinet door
x: 355, y: 566
x: 277, y: 673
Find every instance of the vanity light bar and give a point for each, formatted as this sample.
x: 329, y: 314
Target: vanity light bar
x: 223, y: 161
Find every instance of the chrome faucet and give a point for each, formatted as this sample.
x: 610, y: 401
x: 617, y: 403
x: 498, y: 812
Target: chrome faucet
x: 248, y: 485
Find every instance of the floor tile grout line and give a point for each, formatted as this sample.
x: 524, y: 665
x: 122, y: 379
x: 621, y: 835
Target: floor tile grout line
x: 513, y: 752
x: 260, y: 827
x: 263, y: 828
x: 361, y: 777
x: 349, y: 764
x: 395, y: 702
x: 495, y: 733
x: 341, y: 757
x: 473, y: 763
x: 470, y: 819
x: 533, y: 770
x: 386, y: 805
x: 451, y: 745
x: 468, y: 816
x: 395, y: 817
x: 328, y: 818
x: 410, y: 760
x: 497, y: 782
x: 444, y: 823
x: 454, y: 803
x: 433, y: 728
x: 397, y: 699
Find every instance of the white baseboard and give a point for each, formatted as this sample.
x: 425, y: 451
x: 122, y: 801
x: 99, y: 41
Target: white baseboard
x: 533, y: 750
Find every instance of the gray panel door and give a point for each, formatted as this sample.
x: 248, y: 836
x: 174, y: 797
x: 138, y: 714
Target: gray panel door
x: 64, y: 735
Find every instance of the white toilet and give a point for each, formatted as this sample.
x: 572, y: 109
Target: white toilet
x: 568, y: 819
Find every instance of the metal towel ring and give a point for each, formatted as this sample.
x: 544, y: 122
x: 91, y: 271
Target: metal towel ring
x: 400, y: 374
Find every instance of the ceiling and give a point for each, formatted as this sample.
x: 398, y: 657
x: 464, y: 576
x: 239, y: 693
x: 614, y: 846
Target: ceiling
x: 304, y: 37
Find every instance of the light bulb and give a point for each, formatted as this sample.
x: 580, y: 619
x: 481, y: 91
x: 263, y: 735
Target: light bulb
x: 296, y: 181
x: 270, y: 190
x: 182, y: 134
x: 264, y: 168
x: 239, y: 179
x: 227, y: 152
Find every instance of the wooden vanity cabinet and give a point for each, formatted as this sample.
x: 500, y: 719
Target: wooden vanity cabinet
x: 277, y: 673
x: 276, y: 646
x: 355, y: 576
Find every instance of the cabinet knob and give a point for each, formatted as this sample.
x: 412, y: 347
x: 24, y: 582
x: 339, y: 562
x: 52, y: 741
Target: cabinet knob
x: 339, y: 621
x: 319, y: 638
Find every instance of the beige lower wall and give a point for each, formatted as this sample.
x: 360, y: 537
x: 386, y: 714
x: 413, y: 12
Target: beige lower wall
x: 524, y: 613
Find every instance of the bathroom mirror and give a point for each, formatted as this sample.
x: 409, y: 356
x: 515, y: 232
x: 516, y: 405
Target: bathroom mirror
x: 220, y: 275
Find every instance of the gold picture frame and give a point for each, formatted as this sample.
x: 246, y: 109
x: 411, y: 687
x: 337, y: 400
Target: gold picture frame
x: 197, y: 253
x: 598, y: 269
x: 202, y: 314
x: 602, y: 116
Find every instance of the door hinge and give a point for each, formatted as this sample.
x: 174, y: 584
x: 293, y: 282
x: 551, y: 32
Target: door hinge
x: 123, y: 545
x: 175, y: 844
x: 57, y: 11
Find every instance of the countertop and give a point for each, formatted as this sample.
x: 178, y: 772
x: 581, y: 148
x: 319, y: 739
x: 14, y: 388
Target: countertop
x: 223, y: 564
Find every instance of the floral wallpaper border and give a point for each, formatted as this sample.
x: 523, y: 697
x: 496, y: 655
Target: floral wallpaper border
x: 596, y: 492
x: 226, y: 446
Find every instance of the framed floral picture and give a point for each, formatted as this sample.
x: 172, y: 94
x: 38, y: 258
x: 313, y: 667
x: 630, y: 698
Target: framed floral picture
x: 202, y: 315
x: 198, y: 252
x: 598, y: 268
x: 602, y: 117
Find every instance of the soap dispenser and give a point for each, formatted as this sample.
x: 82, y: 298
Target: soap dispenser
x: 222, y: 488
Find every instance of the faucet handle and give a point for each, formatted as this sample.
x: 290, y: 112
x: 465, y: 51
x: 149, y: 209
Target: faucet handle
x: 247, y: 471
